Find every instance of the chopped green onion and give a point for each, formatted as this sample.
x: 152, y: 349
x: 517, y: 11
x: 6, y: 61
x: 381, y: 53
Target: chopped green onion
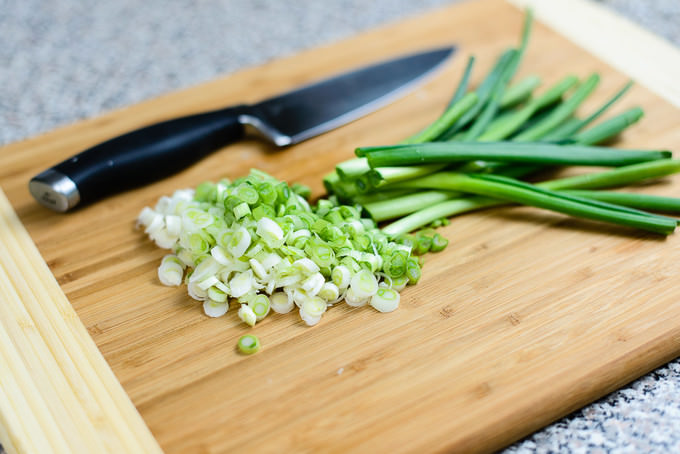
x: 439, y: 243
x: 300, y: 296
x: 300, y: 189
x: 170, y: 271
x: 206, y: 192
x: 320, y: 253
x: 195, y: 292
x: 196, y: 219
x: 341, y: 276
x: 306, y: 265
x: 204, y: 270
x: 260, y: 306
x: 399, y: 283
x: 246, y: 314
x: 329, y: 292
x: 239, y: 242
x: 270, y: 232
x: 270, y: 260
x: 313, y: 284
x: 198, y: 244
x: 267, y: 192
x: 263, y: 211
x: 258, y: 269
x: 364, y: 284
x: 215, y: 308
x: 248, y: 344
x: 217, y: 295
x: 173, y: 225
x: 423, y: 244
x: 241, y: 210
x: 413, y: 271
x: 282, y: 302
x: 241, y: 283
x: 395, y: 265
x: 385, y: 300
x: 354, y: 300
x: 247, y: 193
x: 207, y: 283
x: 312, y: 309
x: 253, y: 251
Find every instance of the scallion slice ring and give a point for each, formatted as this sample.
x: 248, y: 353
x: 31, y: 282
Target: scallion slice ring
x: 248, y: 344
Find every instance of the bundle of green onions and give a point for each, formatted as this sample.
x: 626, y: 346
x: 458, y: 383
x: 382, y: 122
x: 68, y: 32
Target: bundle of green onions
x: 258, y: 241
x: 474, y: 155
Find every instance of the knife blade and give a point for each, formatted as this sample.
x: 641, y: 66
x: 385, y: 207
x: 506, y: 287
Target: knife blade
x: 162, y: 149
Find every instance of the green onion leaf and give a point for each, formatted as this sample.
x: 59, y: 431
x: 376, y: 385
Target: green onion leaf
x: 511, y: 152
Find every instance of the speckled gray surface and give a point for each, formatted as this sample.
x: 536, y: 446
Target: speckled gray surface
x: 64, y: 60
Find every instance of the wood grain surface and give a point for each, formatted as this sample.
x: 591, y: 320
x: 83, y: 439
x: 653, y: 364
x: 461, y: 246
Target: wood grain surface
x: 525, y: 317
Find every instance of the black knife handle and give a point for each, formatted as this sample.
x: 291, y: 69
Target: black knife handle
x: 136, y: 158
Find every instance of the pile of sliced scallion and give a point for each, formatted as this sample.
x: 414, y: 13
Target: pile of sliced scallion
x: 257, y: 240
x: 474, y: 155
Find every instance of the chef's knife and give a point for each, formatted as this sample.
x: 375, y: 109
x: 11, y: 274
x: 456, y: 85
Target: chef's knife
x: 154, y: 152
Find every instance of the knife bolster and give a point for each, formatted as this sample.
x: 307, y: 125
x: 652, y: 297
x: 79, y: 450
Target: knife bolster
x: 261, y: 128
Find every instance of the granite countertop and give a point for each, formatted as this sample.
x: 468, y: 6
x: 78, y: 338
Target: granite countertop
x: 63, y: 61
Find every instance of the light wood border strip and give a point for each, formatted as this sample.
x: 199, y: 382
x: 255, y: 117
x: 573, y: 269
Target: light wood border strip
x: 649, y: 59
x: 57, y: 393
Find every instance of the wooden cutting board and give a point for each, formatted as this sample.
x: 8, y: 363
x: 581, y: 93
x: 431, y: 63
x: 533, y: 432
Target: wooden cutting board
x: 527, y: 315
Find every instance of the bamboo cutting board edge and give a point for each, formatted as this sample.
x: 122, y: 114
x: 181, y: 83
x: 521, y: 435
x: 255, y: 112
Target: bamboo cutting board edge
x: 672, y: 62
x: 59, y: 393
